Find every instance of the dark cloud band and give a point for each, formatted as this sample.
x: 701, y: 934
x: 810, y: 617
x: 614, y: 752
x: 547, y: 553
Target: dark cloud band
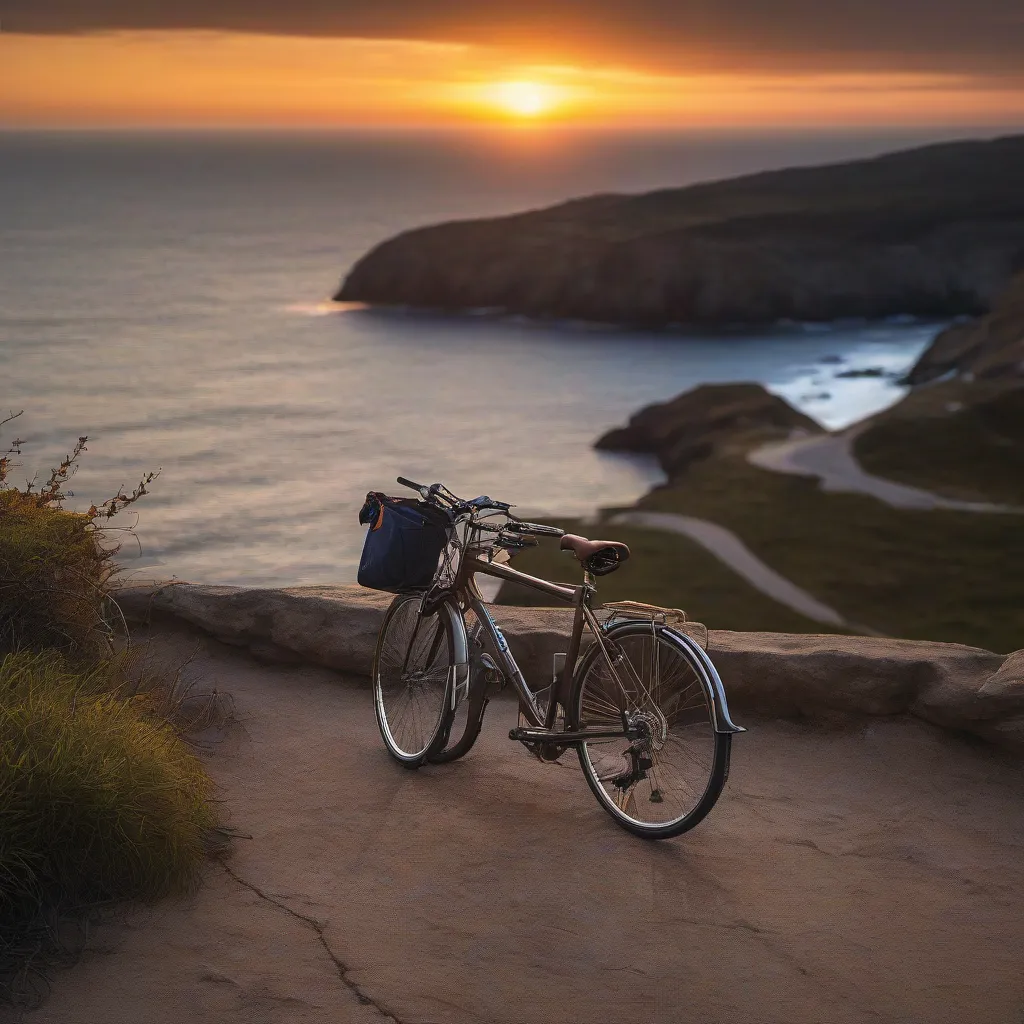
x: 948, y: 35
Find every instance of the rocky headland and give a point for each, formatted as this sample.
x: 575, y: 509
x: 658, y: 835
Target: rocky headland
x: 709, y: 419
x: 936, y: 231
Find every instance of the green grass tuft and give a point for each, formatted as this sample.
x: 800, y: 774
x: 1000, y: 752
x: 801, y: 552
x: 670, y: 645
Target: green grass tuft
x: 100, y: 798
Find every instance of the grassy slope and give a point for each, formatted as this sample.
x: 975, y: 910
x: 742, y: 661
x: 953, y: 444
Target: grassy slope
x: 947, y: 576
x: 974, y: 452
x: 668, y: 570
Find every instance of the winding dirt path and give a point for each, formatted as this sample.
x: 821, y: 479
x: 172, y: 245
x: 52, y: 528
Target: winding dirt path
x: 830, y: 458
x: 731, y: 551
x: 847, y: 876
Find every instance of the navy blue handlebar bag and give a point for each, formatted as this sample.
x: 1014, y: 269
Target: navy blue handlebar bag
x: 403, y: 544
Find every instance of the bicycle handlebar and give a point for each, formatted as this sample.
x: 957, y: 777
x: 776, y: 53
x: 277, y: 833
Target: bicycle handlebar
x: 433, y: 491
x: 439, y: 491
x: 424, y: 491
x: 482, y: 503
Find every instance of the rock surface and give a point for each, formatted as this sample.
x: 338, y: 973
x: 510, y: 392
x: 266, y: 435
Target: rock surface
x: 935, y: 231
x: 848, y: 875
x: 990, y: 347
x: 694, y: 424
x: 957, y: 687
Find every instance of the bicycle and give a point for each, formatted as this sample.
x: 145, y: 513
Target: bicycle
x: 643, y: 705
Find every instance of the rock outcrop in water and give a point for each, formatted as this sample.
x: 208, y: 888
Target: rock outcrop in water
x: 987, y: 348
x: 936, y: 231
x: 695, y: 424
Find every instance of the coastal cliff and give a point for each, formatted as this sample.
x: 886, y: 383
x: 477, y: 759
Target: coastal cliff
x: 935, y: 231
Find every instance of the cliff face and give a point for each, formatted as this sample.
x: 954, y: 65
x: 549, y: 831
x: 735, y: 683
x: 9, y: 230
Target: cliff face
x: 936, y: 231
x: 987, y: 348
x: 696, y: 423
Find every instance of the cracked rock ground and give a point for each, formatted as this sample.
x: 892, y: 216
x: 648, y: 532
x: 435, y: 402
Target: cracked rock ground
x: 873, y: 872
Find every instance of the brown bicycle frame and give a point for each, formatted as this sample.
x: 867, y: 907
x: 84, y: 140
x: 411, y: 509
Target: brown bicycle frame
x: 579, y: 597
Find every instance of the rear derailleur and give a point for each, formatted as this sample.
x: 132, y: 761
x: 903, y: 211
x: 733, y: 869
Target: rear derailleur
x: 640, y: 762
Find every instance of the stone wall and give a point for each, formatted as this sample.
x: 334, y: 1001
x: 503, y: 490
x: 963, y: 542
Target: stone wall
x: 950, y: 685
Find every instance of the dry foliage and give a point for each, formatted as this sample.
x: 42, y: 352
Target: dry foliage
x: 56, y: 565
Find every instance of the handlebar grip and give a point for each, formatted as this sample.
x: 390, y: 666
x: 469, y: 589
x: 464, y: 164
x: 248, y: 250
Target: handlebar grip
x: 408, y: 483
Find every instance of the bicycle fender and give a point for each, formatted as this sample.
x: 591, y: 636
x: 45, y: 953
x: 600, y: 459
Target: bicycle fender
x: 723, y: 721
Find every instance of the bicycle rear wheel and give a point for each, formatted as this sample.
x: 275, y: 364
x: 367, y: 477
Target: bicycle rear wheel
x: 413, y: 679
x: 665, y: 782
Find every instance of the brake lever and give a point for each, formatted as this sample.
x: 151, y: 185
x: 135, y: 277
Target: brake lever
x: 516, y: 540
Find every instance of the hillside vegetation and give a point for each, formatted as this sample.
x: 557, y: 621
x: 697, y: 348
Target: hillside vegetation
x: 988, y: 348
x: 961, y: 441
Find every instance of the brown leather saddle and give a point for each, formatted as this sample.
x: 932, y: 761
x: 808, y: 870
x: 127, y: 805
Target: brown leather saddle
x: 599, y: 557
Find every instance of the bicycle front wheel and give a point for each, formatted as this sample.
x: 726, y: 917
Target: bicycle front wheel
x: 413, y: 679
x: 664, y: 782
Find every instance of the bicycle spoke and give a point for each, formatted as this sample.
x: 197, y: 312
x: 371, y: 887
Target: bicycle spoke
x: 658, y: 779
x: 412, y: 678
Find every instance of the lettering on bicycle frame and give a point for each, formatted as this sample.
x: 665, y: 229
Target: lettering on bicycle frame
x: 499, y: 637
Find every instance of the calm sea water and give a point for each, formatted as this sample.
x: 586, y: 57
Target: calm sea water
x: 164, y: 295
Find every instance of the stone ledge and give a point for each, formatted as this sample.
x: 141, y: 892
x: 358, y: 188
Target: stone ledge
x: 950, y: 685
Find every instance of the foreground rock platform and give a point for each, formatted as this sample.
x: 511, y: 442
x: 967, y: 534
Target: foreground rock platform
x: 816, y: 676
x: 850, y: 875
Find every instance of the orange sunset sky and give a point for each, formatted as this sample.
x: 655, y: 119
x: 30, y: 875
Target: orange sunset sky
x: 645, y: 64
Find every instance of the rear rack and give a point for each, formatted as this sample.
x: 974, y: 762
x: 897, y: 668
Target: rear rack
x: 622, y: 611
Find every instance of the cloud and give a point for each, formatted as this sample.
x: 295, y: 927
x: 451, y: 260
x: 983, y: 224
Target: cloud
x: 984, y: 36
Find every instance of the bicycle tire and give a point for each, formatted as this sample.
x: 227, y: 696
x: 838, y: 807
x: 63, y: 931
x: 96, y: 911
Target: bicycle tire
x: 413, y: 678
x: 704, y: 754
x: 463, y: 733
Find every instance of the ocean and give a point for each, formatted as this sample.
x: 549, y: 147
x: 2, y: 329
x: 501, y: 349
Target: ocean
x: 165, y: 294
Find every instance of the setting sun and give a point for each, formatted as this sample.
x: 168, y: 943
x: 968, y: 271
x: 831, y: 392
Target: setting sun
x: 524, y: 99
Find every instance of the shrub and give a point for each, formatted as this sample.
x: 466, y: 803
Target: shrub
x: 52, y: 578
x: 55, y: 570
x: 100, y: 798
